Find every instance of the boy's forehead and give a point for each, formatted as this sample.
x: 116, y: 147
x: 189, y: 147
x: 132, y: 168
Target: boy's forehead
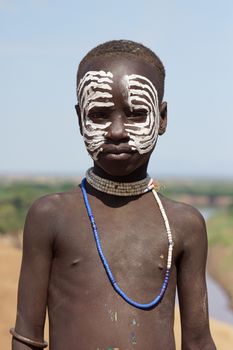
x: 120, y: 66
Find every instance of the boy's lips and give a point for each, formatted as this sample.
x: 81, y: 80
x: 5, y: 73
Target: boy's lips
x: 121, y: 153
x: 117, y: 149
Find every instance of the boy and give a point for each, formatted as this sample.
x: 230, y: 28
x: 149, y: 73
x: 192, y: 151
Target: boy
x: 106, y: 258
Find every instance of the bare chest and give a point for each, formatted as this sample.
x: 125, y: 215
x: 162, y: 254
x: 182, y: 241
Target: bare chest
x: 134, y: 242
x: 132, y: 237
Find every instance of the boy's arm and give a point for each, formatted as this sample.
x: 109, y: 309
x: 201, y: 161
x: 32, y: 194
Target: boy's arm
x: 191, y: 284
x: 34, y: 275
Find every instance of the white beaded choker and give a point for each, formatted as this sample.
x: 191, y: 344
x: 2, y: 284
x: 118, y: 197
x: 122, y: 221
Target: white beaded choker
x: 118, y: 188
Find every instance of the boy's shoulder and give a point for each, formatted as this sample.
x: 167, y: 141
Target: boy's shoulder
x: 48, y: 214
x: 187, y: 220
x: 49, y: 206
x: 181, y: 208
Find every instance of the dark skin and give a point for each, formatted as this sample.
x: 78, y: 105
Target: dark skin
x: 61, y: 267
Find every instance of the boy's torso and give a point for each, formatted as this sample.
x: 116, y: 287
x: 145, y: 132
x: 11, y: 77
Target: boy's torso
x: 84, y: 310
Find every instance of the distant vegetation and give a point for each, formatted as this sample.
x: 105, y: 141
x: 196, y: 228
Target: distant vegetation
x: 220, y: 233
x: 198, y: 187
x: 17, y: 196
x: 220, y: 228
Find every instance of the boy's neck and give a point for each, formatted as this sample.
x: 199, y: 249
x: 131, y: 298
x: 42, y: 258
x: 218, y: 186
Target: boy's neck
x: 137, y: 175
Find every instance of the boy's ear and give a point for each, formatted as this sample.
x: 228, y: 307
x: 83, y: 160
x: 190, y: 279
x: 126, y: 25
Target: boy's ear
x: 77, y: 108
x: 163, y: 118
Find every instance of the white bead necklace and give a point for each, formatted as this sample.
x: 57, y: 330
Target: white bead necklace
x: 118, y: 188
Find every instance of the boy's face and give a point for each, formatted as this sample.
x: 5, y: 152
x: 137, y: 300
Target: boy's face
x: 119, y: 113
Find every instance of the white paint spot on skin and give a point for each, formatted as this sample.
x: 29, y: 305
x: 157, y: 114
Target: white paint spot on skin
x: 133, y: 338
x: 113, y: 315
x: 94, y: 90
x: 139, y: 89
x: 204, y: 306
x: 134, y: 322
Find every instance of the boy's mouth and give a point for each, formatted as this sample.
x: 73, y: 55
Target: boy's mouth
x: 110, y: 149
x: 117, y: 152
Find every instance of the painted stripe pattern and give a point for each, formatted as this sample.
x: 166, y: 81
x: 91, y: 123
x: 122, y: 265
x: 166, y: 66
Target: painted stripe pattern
x: 142, y: 94
x: 94, y: 90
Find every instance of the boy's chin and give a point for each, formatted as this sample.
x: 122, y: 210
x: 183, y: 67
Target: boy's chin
x: 124, y: 167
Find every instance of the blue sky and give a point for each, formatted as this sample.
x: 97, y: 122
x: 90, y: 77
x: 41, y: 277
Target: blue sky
x: 41, y: 44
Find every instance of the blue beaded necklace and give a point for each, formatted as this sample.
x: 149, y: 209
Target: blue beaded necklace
x: 116, y: 287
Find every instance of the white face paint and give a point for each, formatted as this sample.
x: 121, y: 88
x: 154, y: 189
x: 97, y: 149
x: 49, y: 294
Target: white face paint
x: 94, y: 90
x: 142, y: 95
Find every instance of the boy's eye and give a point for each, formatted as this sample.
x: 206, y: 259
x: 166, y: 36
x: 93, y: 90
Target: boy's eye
x: 138, y: 115
x: 97, y: 115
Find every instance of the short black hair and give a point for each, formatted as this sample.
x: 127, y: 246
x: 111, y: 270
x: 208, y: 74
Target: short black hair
x: 125, y: 48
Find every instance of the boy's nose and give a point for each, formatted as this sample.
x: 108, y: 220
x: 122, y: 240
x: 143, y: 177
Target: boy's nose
x: 116, y: 131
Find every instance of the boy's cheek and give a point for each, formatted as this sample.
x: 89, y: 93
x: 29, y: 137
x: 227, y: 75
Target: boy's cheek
x: 142, y: 143
x: 94, y: 136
